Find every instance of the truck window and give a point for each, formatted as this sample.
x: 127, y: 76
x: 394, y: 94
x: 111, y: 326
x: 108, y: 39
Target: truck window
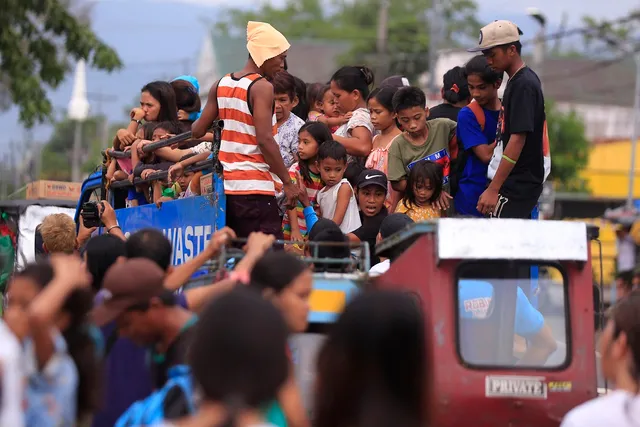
x: 511, y: 315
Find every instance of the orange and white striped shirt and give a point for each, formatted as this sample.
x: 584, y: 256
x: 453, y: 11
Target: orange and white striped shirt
x: 245, y: 170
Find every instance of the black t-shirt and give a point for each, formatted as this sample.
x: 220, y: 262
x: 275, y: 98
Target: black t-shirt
x: 444, y: 111
x: 523, y: 112
x: 369, y: 230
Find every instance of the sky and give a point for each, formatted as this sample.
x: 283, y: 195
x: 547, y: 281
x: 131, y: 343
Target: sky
x: 160, y: 39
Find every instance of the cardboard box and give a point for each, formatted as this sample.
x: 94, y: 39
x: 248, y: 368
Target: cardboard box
x: 206, y: 184
x: 55, y: 190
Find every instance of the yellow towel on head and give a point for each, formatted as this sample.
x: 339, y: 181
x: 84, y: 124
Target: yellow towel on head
x: 264, y: 42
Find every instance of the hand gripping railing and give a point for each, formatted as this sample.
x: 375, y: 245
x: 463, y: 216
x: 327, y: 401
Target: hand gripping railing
x: 217, y: 127
x: 163, y: 175
x: 363, y: 263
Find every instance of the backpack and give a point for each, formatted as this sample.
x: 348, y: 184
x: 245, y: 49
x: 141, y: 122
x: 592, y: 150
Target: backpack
x: 150, y: 411
x: 457, y: 165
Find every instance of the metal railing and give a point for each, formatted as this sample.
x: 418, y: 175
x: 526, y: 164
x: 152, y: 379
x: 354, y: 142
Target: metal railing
x: 351, y: 268
x: 213, y: 163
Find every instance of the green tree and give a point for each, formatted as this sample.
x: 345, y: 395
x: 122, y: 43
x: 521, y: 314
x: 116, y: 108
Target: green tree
x: 619, y: 37
x: 355, y: 22
x: 569, y: 149
x: 57, y: 151
x: 38, y: 42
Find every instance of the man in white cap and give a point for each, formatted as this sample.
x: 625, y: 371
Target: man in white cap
x: 252, y: 165
x: 517, y: 168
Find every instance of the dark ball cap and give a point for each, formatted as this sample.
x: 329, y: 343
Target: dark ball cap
x: 372, y: 177
x: 395, y: 81
x: 125, y: 285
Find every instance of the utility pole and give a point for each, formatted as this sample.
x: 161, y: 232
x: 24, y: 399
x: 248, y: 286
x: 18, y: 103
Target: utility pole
x: 634, y: 131
x: 540, y: 42
x: 100, y: 98
x: 434, y: 20
x: 4, y: 176
x: 381, y: 45
x: 14, y: 165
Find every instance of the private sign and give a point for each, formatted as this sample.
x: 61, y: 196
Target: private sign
x: 515, y: 386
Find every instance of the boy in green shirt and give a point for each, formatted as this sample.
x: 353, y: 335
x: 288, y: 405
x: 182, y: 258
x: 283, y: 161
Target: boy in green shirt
x: 422, y: 140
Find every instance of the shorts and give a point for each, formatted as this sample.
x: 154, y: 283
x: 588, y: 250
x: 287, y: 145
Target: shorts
x: 254, y: 212
x: 508, y: 207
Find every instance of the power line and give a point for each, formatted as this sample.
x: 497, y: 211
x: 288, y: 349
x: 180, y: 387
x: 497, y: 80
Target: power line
x: 597, y: 65
x: 588, y: 28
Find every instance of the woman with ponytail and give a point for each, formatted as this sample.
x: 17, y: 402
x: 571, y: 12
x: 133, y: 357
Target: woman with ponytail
x: 619, y: 347
x: 238, y: 360
x: 47, y: 309
x: 455, y: 94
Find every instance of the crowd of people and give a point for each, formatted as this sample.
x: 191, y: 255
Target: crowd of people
x: 342, y: 151
x: 114, y: 338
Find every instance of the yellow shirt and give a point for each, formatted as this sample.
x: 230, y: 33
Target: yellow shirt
x: 418, y: 213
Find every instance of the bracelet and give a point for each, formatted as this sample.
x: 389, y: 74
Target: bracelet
x: 137, y: 121
x: 508, y: 159
x: 112, y: 227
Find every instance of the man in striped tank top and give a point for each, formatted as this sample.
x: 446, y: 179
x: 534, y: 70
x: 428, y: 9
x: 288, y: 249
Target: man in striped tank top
x: 249, y: 154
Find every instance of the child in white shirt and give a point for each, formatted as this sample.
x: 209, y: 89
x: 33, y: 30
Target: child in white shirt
x: 336, y: 200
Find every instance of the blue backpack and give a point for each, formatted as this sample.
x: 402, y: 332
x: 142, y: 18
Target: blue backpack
x: 150, y: 411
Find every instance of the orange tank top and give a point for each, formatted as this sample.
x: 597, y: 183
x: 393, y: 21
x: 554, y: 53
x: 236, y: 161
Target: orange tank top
x: 245, y: 170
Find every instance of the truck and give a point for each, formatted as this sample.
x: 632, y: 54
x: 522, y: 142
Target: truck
x: 474, y: 353
x: 20, y: 217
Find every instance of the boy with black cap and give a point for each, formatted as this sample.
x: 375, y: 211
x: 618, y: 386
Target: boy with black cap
x: 371, y: 194
x: 517, y: 169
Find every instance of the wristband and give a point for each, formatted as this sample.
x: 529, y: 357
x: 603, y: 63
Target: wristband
x: 137, y: 121
x: 508, y: 159
x: 112, y: 227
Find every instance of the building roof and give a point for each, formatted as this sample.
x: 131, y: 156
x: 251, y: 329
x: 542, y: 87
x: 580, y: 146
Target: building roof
x: 588, y: 81
x: 569, y: 80
x: 310, y: 60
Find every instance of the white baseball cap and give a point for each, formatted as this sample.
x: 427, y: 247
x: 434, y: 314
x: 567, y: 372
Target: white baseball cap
x: 497, y: 33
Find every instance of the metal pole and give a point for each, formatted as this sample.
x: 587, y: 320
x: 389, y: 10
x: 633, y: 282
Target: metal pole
x: 433, y: 20
x: 381, y: 44
x: 76, y: 155
x: 540, y: 52
x: 634, y: 132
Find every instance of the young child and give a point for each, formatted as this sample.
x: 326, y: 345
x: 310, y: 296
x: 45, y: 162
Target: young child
x: 120, y: 169
x: 477, y: 124
x: 433, y: 140
x: 144, y: 162
x: 424, y: 187
x: 310, y: 137
x: 324, y: 108
x: 383, y: 118
x: 336, y: 199
x: 284, y: 89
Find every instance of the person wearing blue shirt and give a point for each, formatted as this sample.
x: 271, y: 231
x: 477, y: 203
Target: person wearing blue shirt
x: 474, y: 299
x: 476, y: 132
